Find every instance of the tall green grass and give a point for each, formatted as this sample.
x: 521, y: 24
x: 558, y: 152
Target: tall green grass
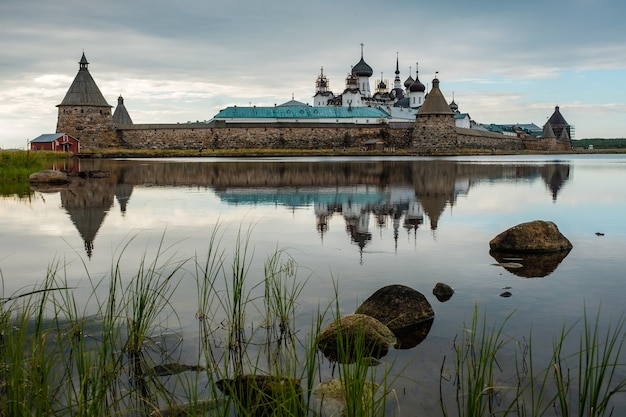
x: 498, y: 375
x: 18, y: 165
x: 119, y: 352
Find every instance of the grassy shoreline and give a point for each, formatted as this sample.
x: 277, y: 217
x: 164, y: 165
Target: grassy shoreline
x: 269, y: 152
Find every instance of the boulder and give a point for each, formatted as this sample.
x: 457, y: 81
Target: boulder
x: 355, y: 337
x: 442, y: 291
x: 264, y: 395
x: 534, y: 236
x: 48, y: 176
x: 330, y: 399
x: 397, y: 307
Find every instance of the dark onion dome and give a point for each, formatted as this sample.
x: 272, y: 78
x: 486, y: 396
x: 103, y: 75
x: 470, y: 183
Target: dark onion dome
x: 361, y: 69
x: 397, y: 93
x: 417, y: 86
x: 453, y: 106
x: 408, y: 82
x: 382, y: 85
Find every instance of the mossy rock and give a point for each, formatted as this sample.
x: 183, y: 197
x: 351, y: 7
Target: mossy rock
x: 264, y: 395
x: 48, y: 176
x: 534, y: 236
x: 397, y: 307
x: 355, y: 337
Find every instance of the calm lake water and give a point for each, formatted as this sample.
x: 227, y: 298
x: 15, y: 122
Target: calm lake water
x: 356, y: 224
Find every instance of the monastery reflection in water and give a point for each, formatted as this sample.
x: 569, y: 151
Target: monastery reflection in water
x: 397, y: 194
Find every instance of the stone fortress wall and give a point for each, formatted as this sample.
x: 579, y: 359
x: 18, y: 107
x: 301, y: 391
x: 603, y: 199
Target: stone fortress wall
x: 260, y: 135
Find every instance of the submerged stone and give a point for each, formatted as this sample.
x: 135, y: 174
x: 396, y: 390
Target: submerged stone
x: 330, y: 397
x: 443, y: 291
x: 264, y: 395
x: 355, y: 337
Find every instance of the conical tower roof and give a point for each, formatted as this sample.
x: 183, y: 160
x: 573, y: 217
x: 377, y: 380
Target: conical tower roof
x: 84, y: 91
x: 121, y: 116
x: 435, y: 102
x: 557, y: 118
x: 547, y: 131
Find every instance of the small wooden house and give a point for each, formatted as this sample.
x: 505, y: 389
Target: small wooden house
x: 59, y: 142
x: 374, y: 145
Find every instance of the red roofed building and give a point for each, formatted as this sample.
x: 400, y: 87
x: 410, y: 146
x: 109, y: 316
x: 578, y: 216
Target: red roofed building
x: 59, y: 142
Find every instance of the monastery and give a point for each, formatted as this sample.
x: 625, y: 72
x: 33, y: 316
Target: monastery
x: 405, y: 116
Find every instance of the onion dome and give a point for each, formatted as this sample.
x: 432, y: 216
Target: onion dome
x: 382, y: 85
x: 361, y: 69
x: 417, y: 86
x: 397, y: 93
x: 408, y: 81
x: 454, y: 107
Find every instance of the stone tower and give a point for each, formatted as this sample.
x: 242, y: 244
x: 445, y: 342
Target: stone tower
x: 434, y: 124
x: 120, y: 115
x: 85, y: 114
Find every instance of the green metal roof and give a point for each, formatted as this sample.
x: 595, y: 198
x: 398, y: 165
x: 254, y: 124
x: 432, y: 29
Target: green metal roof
x: 301, y: 112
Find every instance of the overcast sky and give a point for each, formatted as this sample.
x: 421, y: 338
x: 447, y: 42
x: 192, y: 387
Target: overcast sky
x: 184, y: 60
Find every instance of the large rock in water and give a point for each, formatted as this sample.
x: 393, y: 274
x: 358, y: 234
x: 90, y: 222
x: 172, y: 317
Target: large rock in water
x: 353, y: 337
x: 397, y: 307
x: 535, y: 236
x: 48, y: 176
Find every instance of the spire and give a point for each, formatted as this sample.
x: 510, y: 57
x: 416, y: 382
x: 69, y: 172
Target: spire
x: 84, y: 91
x: 397, y: 67
x: 83, y: 63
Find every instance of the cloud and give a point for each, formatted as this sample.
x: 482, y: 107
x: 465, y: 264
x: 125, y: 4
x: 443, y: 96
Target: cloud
x: 195, y: 58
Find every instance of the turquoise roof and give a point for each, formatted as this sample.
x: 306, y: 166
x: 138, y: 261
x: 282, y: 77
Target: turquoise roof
x: 301, y: 112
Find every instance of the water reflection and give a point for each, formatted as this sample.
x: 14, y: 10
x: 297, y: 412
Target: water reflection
x: 396, y: 194
x: 533, y: 265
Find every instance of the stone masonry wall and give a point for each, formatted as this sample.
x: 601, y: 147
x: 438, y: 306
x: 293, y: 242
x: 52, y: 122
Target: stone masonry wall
x: 476, y: 139
x: 92, y: 125
x: 296, y: 136
x: 438, y: 132
x: 435, y: 132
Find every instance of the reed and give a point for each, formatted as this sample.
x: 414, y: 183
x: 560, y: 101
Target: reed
x: 116, y: 352
x: 18, y: 165
x: 573, y: 382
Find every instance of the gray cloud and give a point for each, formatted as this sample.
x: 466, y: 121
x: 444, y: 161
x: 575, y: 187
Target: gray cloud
x: 160, y: 54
